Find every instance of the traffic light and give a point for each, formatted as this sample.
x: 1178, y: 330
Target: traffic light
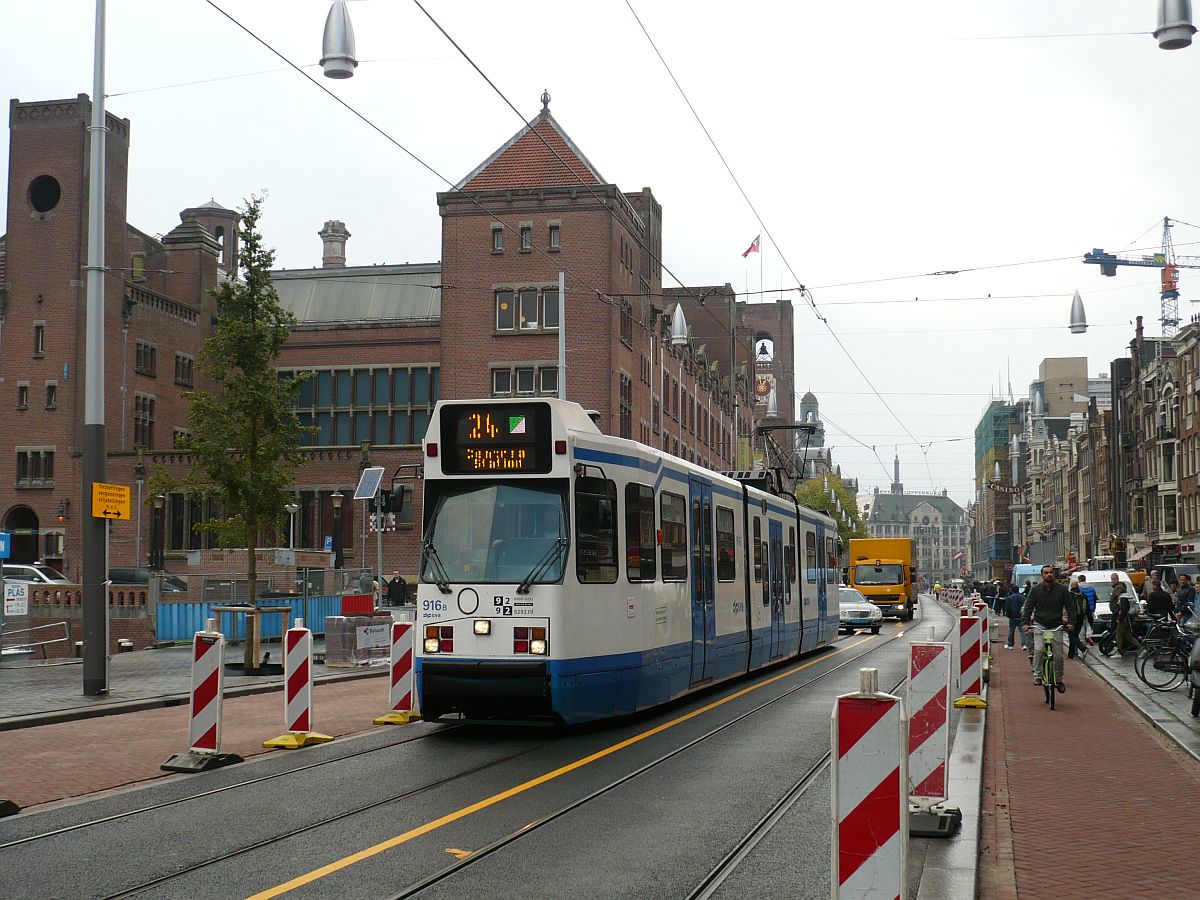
x: 385, y: 502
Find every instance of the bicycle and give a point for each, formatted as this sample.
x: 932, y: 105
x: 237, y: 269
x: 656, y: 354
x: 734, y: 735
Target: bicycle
x: 1163, y: 664
x: 1049, y: 669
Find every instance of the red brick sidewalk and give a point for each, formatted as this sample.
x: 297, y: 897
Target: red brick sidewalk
x: 1086, y: 801
x: 72, y: 759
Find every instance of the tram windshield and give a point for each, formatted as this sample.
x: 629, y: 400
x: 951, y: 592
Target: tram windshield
x: 497, y: 533
x: 885, y: 574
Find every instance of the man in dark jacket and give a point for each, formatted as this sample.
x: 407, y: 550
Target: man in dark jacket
x: 396, y: 590
x: 1047, y: 607
x: 1158, y: 601
x: 1012, y: 608
x: 1185, y: 600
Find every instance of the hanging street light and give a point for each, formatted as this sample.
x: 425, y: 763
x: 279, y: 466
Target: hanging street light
x: 337, y: 46
x: 1175, y: 29
x: 1078, y: 317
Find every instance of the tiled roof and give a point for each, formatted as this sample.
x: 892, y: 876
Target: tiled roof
x: 524, y: 161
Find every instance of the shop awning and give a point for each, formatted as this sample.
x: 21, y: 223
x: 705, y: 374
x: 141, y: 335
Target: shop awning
x: 1145, y: 551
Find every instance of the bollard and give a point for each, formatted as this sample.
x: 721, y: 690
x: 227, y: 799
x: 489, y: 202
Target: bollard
x: 401, y: 694
x: 297, y: 692
x: 970, y: 675
x: 869, y: 800
x: 204, y: 727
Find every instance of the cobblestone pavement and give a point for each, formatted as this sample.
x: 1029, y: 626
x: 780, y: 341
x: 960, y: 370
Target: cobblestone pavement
x: 1090, y: 800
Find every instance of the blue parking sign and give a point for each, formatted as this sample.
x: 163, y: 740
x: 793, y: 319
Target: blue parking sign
x: 329, y: 543
x: 5, y: 545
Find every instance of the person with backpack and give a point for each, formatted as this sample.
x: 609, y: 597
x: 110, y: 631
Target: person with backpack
x: 1120, y: 606
x: 1084, y: 613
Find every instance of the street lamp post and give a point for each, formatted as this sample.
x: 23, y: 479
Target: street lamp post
x: 336, y: 499
x: 139, y: 474
x: 94, y: 530
x: 157, y: 533
x: 291, y: 509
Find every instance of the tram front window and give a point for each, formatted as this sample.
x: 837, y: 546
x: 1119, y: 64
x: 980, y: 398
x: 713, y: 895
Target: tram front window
x: 497, y: 533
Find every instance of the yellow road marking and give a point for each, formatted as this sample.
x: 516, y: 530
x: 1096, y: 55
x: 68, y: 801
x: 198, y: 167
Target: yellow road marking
x: 459, y: 854
x: 411, y: 834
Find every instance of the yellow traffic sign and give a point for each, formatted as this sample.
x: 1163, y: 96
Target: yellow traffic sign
x: 110, y: 501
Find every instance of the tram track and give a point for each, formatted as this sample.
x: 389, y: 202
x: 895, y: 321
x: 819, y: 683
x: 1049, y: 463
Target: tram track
x: 727, y: 865
x: 237, y: 785
x: 745, y: 846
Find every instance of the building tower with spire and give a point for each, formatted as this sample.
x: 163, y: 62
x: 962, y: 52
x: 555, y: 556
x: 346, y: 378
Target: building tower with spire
x: 897, y: 485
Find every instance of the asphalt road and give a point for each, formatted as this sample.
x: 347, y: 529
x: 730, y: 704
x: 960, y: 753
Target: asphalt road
x: 406, y: 803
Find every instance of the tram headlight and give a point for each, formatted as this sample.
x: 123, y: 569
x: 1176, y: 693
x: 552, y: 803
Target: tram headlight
x: 431, y: 645
x: 483, y: 626
x: 538, y: 647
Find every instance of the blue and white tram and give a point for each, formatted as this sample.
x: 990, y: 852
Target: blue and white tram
x: 569, y: 576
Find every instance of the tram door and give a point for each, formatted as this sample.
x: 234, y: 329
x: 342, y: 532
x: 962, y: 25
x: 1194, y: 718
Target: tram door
x: 775, y: 533
x: 704, y: 625
x: 822, y: 564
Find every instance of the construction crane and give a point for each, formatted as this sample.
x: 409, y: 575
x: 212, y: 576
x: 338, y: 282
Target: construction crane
x: 1167, y: 261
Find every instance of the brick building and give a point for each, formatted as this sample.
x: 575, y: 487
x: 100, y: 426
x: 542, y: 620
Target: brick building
x: 385, y: 342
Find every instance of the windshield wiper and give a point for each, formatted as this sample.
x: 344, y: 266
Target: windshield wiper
x: 429, y: 554
x: 550, y: 556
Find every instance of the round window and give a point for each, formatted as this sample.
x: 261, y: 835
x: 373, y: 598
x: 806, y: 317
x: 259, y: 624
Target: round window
x: 44, y: 193
x: 925, y: 520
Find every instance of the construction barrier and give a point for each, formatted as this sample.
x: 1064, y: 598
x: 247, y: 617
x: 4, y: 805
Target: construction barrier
x: 970, y: 673
x: 401, y: 695
x: 204, y: 724
x: 985, y: 637
x: 869, y: 802
x: 297, y: 692
x: 929, y: 668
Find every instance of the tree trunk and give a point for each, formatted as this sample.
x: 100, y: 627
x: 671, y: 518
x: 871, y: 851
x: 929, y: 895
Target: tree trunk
x: 250, y: 659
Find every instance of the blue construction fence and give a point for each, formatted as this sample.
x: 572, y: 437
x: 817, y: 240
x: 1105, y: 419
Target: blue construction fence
x: 180, y: 621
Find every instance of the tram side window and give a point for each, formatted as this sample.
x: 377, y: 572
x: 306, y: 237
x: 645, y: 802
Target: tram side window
x: 790, y: 556
x: 674, y: 537
x: 640, y: 537
x: 758, y: 553
x: 830, y: 562
x: 726, y: 545
x: 595, y: 530
x: 810, y: 557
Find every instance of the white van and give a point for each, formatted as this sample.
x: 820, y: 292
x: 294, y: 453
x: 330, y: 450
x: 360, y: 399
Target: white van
x: 1101, y: 580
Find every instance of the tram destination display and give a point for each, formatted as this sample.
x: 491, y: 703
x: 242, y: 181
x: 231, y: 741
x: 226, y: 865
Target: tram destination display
x: 496, y: 437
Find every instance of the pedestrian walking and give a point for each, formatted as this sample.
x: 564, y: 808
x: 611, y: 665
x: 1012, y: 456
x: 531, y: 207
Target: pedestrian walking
x: 1076, y: 610
x: 1081, y: 637
x: 1013, y: 601
x: 396, y: 590
x: 1119, y: 604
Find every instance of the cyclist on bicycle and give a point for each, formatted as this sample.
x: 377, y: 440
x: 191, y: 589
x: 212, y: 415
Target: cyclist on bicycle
x: 1047, y: 607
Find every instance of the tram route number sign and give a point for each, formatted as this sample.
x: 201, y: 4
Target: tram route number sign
x: 110, y: 501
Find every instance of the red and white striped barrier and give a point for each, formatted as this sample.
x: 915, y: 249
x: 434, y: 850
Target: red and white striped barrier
x: 208, y: 688
x: 929, y: 668
x: 297, y: 692
x: 401, y: 696
x: 970, y: 673
x: 985, y: 637
x: 870, y: 793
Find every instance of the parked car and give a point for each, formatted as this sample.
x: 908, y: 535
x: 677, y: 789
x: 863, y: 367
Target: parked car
x: 856, y: 611
x: 136, y: 575
x: 1101, y: 580
x: 35, y: 573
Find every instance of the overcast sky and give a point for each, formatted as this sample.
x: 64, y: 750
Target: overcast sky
x: 878, y: 141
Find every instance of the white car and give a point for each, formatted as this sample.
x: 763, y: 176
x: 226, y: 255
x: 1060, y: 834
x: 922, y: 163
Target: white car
x: 1102, y: 582
x: 856, y: 611
x: 34, y: 573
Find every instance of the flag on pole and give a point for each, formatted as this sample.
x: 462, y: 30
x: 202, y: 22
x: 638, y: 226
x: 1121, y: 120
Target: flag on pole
x: 753, y: 248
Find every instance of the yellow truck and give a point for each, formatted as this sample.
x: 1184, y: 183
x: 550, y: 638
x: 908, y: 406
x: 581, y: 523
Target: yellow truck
x: 882, y: 570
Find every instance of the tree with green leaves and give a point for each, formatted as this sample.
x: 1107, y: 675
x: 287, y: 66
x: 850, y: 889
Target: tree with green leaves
x: 244, y: 440
x: 815, y: 495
